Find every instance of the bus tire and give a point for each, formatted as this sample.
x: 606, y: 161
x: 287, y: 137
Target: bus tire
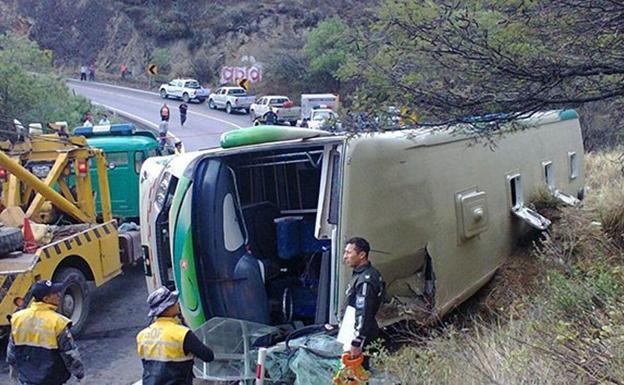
x: 11, y: 239
x: 75, y: 298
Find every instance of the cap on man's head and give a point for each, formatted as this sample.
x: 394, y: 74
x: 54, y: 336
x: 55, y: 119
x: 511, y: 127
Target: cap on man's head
x: 45, y: 287
x: 160, y: 300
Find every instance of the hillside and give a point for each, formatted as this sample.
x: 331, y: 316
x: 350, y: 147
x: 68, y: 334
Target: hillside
x: 185, y: 37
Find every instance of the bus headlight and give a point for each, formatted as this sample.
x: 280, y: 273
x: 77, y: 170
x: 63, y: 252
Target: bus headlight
x: 163, y: 187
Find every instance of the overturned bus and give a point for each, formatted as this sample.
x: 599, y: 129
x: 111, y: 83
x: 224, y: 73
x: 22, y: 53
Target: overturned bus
x: 255, y: 229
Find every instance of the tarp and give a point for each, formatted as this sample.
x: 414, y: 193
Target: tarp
x: 311, y: 360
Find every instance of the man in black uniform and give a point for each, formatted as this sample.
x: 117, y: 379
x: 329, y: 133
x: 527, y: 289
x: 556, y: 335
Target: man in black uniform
x: 364, y: 293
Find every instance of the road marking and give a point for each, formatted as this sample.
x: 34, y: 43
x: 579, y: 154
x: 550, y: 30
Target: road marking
x: 149, y: 101
x: 128, y: 115
x: 137, y: 118
x: 114, y: 86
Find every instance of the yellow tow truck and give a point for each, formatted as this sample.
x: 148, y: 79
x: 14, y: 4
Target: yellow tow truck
x: 82, y: 242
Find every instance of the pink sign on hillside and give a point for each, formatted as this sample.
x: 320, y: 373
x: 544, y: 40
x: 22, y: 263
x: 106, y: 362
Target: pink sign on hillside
x: 230, y: 74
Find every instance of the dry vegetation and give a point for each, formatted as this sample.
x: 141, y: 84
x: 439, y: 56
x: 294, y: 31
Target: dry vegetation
x: 554, y: 314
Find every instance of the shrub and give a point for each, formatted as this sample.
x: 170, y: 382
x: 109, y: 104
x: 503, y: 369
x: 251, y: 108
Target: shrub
x: 571, y: 331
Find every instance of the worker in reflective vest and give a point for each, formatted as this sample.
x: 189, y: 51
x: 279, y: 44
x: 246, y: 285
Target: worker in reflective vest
x: 41, y: 349
x: 167, y: 347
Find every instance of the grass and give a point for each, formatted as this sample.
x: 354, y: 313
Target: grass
x: 553, y: 315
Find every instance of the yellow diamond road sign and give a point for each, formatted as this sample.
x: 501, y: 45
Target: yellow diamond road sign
x: 152, y: 69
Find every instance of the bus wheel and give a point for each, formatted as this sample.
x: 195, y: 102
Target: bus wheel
x: 75, y: 298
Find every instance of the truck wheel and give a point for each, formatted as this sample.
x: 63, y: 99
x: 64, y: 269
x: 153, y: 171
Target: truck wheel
x: 163, y: 94
x: 293, y: 123
x: 228, y: 108
x: 75, y: 298
x: 11, y: 239
x: 185, y: 97
x: 211, y: 104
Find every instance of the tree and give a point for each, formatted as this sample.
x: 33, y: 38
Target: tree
x: 452, y: 60
x: 326, y: 50
x: 29, y: 91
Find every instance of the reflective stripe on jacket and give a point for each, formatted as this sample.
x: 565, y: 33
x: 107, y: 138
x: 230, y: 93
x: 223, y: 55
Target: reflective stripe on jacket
x: 34, y: 333
x: 161, y: 348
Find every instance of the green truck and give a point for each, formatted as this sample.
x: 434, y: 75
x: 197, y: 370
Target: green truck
x: 125, y: 149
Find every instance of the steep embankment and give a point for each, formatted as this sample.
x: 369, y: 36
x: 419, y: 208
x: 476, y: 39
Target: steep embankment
x: 193, y: 38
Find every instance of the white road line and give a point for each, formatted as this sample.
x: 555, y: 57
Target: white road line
x: 136, y: 118
x: 151, y: 102
x: 113, y: 86
x: 128, y: 115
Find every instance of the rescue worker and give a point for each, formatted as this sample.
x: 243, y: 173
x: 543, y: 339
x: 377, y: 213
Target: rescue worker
x: 364, y: 293
x: 41, y: 349
x: 167, y: 347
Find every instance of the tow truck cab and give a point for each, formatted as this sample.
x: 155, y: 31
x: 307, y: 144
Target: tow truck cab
x: 125, y: 149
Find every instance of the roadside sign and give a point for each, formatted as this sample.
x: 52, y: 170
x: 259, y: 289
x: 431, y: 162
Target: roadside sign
x: 152, y: 69
x: 245, y: 83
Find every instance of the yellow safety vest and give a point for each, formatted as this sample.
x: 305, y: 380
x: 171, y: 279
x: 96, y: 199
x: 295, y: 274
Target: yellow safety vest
x: 163, y: 341
x: 38, y: 325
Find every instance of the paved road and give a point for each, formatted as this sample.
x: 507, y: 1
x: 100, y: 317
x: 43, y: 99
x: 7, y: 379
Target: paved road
x: 108, y: 348
x: 201, y: 130
x: 118, y: 309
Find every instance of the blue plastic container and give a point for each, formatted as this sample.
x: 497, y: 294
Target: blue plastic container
x: 304, y: 301
x: 288, y: 237
x: 309, y: 243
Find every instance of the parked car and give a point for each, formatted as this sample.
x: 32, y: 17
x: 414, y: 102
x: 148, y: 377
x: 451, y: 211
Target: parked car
x: 231, y: 99
x: 323, y: 119
x: 185, y: 89
x: 310, y: 102
x: 282, y: 106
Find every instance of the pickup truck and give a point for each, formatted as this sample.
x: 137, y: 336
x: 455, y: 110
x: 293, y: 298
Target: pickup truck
x: 231, y: 99
x: 185, y: 89
x: 280, y: 105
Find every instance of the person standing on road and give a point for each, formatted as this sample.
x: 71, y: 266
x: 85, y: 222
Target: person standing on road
x: 83, y: 72
x: 41, y: 349
x: 166, y: 347
x: 364, y: 293
x: 183, y: 109
x: 92, y: 72
x: 104, y: 120
x: 164, y: 112
x: 123, y: 68
x: 163, y: 129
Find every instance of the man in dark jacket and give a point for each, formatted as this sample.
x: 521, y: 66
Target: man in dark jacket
x: 167, y: 347
x: 41, y: 349
x: 183, y: 110
x: 364, y: 293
